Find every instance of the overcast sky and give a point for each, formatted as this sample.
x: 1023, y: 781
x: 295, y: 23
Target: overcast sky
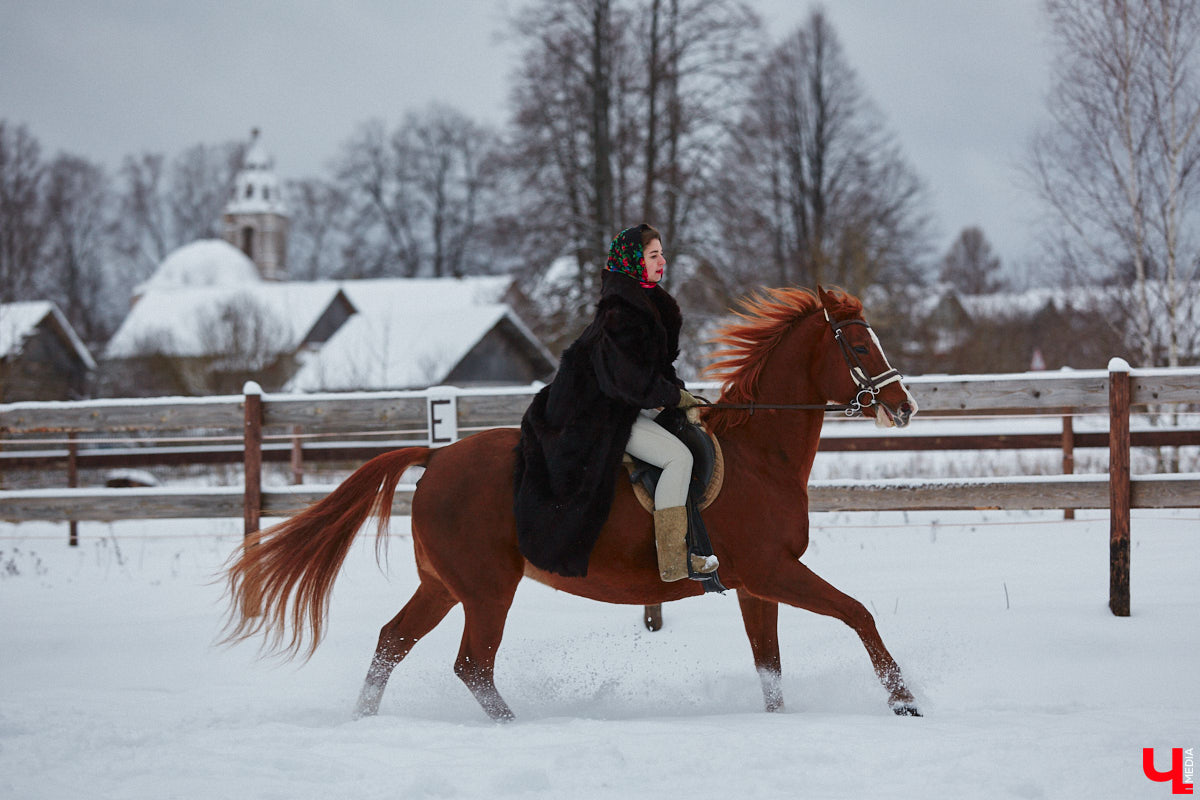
x: 962, y: 83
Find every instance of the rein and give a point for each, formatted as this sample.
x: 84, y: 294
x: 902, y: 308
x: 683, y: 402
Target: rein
x: 868, y: 385
x: 851, y: 409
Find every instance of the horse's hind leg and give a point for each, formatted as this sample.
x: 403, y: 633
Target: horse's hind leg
x: 797, y: 585
x: 761, y: 618
x: 475, y: 665
x: 424, y: 610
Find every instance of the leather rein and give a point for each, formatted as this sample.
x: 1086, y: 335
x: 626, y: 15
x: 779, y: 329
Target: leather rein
x: 868, y: 385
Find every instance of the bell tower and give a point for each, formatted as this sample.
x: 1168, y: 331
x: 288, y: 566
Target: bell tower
x: 255, y: 219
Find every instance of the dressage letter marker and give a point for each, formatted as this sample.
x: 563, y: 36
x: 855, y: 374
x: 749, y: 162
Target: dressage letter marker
x: 443, y: 415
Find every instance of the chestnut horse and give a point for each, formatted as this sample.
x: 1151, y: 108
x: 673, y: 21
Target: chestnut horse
x: 781, y: 349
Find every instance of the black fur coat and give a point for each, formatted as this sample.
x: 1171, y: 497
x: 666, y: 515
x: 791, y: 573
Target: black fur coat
x: 574, y: 433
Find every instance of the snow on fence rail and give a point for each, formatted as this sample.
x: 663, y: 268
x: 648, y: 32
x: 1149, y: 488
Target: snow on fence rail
x: 442, y: 414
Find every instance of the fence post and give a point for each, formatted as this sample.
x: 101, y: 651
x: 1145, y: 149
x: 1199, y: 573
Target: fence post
x: 297, y: 457
x: 1118, y: 486
x: 1068, y: 455
x: 252, y: 436
x: 72, y: 483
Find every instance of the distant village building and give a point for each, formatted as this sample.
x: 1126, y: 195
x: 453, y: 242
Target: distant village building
x: 41, y: 356
x: 939, y: 330
x: 218, y: 312
x: 256, y: 218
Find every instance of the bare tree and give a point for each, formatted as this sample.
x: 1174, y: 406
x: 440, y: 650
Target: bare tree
x: 970, y: 265
x: 816, y: 186
x: 697, y: 56
x: 167, y: 204
x: 450, y: 161
x: 620, y: 114
x: 77, y: 208
x: 317, y: 228
x: 1117, y: 166
x: 22, y: 225
x: 418, y: 195
x: 202, y: 181
x: 571, y: 84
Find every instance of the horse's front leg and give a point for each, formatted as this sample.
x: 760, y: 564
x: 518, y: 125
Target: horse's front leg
x: 797, y: 585
x: 761, y: 618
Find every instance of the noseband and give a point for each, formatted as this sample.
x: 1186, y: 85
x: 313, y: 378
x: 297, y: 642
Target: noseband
x: 868, y: 385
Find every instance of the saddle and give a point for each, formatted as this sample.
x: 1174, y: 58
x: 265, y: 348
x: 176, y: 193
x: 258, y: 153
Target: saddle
x: 708, y: 467
x: 708, y: 474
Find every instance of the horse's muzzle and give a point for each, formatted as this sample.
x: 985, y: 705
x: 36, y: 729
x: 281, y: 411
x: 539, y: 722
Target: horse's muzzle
x: 898, y: 417
x: 903, y: 415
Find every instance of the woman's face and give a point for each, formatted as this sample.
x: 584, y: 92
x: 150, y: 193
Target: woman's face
x: 654, y: 260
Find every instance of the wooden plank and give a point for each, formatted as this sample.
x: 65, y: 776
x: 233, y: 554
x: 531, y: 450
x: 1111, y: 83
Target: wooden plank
x: 893, y: 443
x: 1162, y: 386
x: 478, y: 411
x: 1159, y: 491
x: 1165, y: 491
x: 936, y: 394
x: 352, y: 412
x: 1040, y: 394
x: 1013, y: 494
x: 319, y: 452
x: 99, y: 416
x: 1021, y: 493
x: 110, y: 505
x: 281, y: 503
x: 884, y: 442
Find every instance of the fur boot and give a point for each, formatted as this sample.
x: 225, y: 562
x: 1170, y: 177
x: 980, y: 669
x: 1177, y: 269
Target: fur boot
x: 670, y: 536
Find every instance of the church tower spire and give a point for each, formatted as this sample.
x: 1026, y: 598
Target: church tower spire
x: 255, y: 218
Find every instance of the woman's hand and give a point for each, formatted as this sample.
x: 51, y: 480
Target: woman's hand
x: 689, y: 403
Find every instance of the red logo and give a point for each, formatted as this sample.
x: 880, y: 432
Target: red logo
x: 1179, y: 768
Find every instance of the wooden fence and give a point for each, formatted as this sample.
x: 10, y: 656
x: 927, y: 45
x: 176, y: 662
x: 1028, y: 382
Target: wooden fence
x: 280, y: 428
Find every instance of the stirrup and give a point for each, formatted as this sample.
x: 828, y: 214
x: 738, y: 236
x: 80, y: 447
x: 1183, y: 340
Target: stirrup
x: 704, y: 565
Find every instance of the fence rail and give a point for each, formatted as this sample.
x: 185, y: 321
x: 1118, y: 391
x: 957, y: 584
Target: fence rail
x: 441, y: 414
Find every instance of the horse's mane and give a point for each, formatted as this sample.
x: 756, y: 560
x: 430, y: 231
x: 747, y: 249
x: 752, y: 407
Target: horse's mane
x: 759, y: 324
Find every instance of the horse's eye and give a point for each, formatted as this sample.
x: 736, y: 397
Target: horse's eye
x: 858, y: 348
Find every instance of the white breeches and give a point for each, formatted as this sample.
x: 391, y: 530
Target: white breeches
x: 653, y: 444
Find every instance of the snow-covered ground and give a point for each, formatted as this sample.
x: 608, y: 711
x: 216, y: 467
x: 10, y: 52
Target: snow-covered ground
x: 110, y: 686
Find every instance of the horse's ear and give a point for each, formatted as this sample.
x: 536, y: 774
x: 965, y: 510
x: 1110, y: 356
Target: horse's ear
x: 823, y: 296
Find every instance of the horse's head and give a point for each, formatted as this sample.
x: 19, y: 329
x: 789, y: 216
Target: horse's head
x: 853, y: 369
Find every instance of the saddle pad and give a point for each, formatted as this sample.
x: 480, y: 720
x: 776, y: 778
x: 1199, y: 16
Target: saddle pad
x: 711, y: 489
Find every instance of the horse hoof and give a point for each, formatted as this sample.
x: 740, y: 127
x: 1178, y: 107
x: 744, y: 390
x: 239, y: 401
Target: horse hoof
x: 652, y: 616
x: 907, y: 710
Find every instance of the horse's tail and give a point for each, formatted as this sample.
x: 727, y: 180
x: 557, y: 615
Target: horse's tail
x: 284, y: 574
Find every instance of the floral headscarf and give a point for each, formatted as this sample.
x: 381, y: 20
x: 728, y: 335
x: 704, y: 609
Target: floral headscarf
x: 625, y: 255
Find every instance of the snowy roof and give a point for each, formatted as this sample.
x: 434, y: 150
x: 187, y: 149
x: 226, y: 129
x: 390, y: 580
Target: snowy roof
x: 416, y: 347
x: 408, y: 332
x: 405, y: 332
x: 180, y: 321
x: 387, y: 296
x: 19, y: 320
x: 206, y: 262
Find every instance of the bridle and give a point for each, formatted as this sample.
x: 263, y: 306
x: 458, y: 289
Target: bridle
x: 868, y: 385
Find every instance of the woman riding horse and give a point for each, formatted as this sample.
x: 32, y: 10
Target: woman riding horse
x: 611, y: 384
